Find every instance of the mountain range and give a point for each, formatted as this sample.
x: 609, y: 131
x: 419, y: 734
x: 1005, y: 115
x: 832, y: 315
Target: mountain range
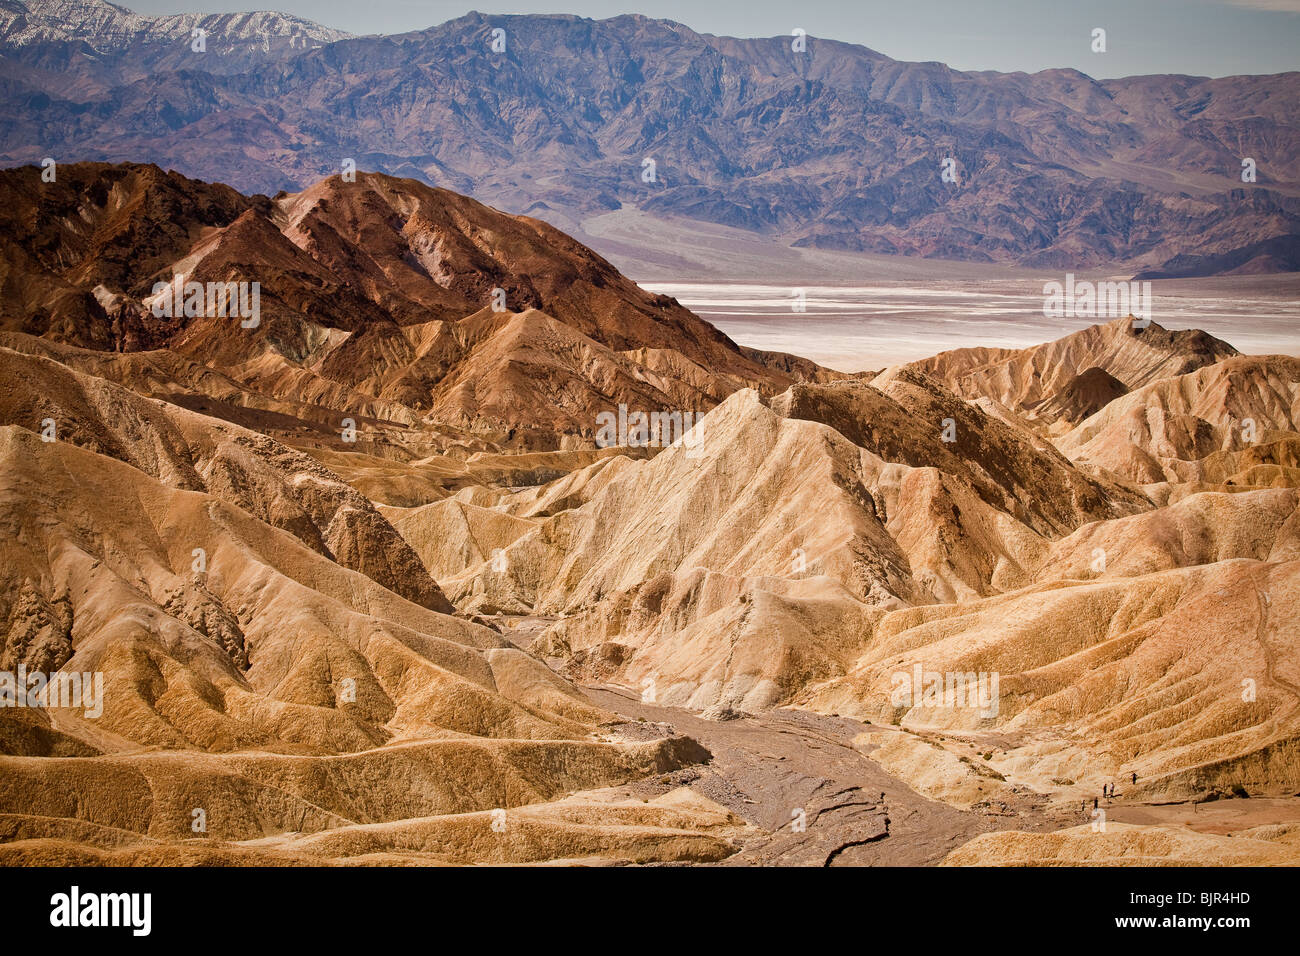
x: 583, y: 123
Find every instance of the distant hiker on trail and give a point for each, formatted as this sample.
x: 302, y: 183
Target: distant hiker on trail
x: 1135, y: 778
x: 1094, y: 803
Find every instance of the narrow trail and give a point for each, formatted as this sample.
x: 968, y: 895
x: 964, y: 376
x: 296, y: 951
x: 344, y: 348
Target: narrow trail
x: 1270, y: 658
x: 818, y: 799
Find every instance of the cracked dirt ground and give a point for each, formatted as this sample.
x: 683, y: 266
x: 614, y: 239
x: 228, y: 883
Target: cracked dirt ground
x: 765, y: 766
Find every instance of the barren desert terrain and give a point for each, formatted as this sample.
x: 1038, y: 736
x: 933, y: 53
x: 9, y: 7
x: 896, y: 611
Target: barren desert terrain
x: 395, y: 571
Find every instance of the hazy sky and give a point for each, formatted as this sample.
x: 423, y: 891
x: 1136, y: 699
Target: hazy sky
x: 1201, y: 37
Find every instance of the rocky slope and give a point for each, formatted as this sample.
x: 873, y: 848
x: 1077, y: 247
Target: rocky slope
x: 1075, y: 373
x: 378, y: 302
x: 270, y: 688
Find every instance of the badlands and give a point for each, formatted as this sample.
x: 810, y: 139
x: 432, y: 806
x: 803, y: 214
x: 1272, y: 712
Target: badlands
x: 364, y: 588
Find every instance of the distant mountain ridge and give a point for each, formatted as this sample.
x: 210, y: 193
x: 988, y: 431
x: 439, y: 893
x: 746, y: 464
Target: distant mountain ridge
x: 837, y: 147
x: 108, y: 28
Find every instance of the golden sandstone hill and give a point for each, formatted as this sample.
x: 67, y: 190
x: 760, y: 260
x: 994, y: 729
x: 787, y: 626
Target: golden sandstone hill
x: 373, y: 650
x: 276, y: 689
x: 807, y: 549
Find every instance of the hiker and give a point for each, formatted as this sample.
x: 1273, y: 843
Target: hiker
x: 1135, y: 778
x: 1094, y: 803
